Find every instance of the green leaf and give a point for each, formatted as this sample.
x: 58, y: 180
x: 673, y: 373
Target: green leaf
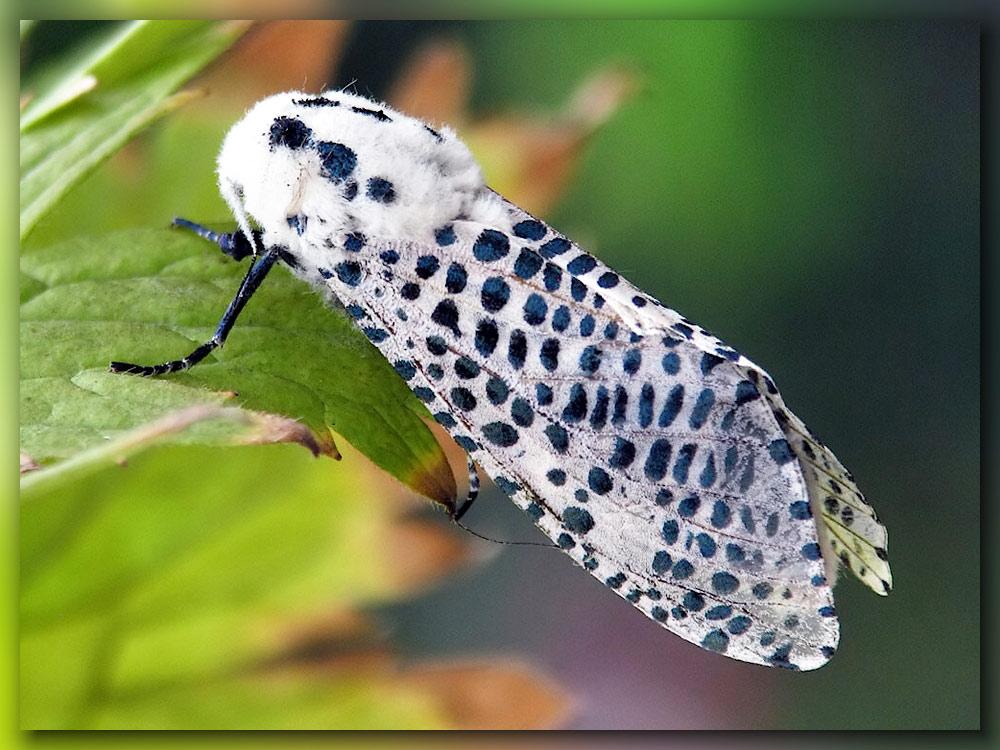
x: 137, y: 596
x: 85, y: 107
x: 152, y: 295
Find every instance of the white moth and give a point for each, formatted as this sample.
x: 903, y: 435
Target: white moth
x: 661, y: 460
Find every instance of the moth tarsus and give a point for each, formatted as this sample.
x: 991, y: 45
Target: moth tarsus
x: 661, y: 460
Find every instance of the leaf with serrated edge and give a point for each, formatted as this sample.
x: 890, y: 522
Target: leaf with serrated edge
x: 151, y: 295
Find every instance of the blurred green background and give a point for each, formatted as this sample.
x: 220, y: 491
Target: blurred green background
x: 809, y: 191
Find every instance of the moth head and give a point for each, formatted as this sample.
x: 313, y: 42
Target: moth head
x: 346, y: 163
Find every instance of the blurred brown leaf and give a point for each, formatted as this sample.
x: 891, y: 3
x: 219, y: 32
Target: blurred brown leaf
x: 498, y: 695
x: 434, y: 85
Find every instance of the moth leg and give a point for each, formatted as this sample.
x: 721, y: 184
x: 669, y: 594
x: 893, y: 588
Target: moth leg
x: 473, y: 492
x: 234, y: 244
x: 251, y: 281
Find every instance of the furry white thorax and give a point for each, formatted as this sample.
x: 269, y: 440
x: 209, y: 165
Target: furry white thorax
x: 436, y: 178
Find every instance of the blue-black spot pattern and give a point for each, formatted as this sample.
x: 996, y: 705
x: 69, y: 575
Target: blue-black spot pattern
x: 500, y: 434
x: 662, y: 562
x: 487, y: 337
x: 688, y: 506
x: 706, y: 545
x: 409, y: 291
x: 709, y: 361
x: 543, y: 394
x: 348, y: 272
x: 590, y: 360
x: 565, y: 541
x: 762, y: 590
x: 624, y: 454
x: 721, y: 514
x: 337, y: 160
x: 781, y: 451
x: 554, y: 247
x: 646, y: 396
x: 467, y: 443
x: 445, y: 419
x: 445, y: 235
x: 491, y: 245
x: 682, y: 569
x: 495, y: 294
x: 607, y: 280
x: 599, y: 416
x: 739, y: 625
x: 684, y: 457
x: 535, y: 309
x: 354, y: 241
x: 529, y: 229
x: 799, y: 510
x: 716, y: 641
x: 581, y: 264
x: 746, y: 392
x: 427, y: 266
x: 528, y: 263
x: 375, y: 335
x: 670, y: 531
x: 577, y: 290
x: 463, y: 399
x: 811, y: 551
x: 466, y: 369
x: 657, y: 460
x: 724, y: 583
x: 446, y: 314
x: 707, y: 477
x: 381, y: 190
x: 521, y: 412
x: 631, y: 361
x: 557, y: 477
x: 456, y: 278
x: 497, y: 390
x: 671, y: 363
x: 558, y: 437
x: 406, y: 368
x: 560, y: 319
x: 517, y: 349
x: 718, y: 612
x: 599, y: 481
x: 549, y: 354
x: 289, y: 132
x: 436, y: 345
x: 576, y: 407
x: 701, y: 408
x: 424, y: 393
x: 621, y: 404
x: 552, y: 277
x: 586, y: 325
x: 389, y: 257
x: 615, y: 581
x: 735, y: 553
x: 577, y: 520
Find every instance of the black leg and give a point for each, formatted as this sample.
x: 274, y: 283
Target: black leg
x: 470, y: 498
x: 254, y: 276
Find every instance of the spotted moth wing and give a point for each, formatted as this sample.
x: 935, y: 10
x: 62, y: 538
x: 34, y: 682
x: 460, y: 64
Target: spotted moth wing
x: 659, y: 468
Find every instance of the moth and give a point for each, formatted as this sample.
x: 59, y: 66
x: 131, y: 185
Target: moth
x: 661, y: 460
